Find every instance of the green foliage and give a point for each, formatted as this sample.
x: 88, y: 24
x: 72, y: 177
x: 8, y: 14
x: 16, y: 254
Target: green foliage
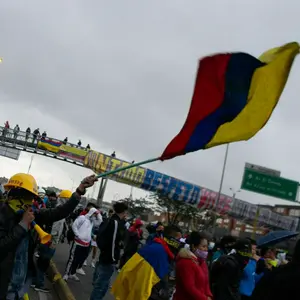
x: 176, y: 210
x: 138, y: 207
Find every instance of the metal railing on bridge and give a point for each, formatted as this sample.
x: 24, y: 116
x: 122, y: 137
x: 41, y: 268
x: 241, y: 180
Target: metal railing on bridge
x: 47, y: 146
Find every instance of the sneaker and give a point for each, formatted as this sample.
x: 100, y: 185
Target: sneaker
x: 93, y: 265
x: 80, y: 271
x: 36, y: 254
x: 74, y: 277
x: 65, y: 277
x: 33, y: 286
x: 85, y: 263
x: 42, y: 289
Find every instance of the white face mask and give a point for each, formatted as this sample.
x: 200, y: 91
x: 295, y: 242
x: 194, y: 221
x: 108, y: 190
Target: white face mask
x: 211, y: 245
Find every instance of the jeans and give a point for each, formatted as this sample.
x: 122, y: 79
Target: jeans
x: 101, y: 280
x: 39, y: 278
x: 42, y: 264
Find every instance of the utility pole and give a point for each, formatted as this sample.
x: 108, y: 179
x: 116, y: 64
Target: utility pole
x: 30, y: 164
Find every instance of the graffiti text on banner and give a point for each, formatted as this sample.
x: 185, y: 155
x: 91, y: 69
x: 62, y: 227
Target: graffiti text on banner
x: 100, y: 163
x: 208, y: 200
x: 174, y: 188
x: 180, y: 190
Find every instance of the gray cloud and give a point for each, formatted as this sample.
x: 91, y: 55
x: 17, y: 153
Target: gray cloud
x: 120, y: 75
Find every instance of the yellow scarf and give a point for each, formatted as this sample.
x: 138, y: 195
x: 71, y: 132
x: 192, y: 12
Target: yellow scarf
x: 18, y: 204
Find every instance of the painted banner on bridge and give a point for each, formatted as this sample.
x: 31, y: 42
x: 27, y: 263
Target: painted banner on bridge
x: 152, y: 181
x: 189, y: 193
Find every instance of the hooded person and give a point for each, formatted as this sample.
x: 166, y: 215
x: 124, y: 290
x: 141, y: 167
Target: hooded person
x: 247, y: 283
x: 282, y: 282
x: 39, y: 203
x: 82, y: 228
x: 227, y: 271
x: 59, y: 227
x: 141, y: 276
x: 155, y: 231
x: 132, y: 242
x: 97, y: 220
x: 225, y: 247
x: 17, y: 237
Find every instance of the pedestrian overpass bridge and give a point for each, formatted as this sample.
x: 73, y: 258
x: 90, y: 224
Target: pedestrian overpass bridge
x: 144, y: 178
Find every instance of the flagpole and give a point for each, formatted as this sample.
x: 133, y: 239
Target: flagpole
x: 220, y: 189
x: 127, y: 167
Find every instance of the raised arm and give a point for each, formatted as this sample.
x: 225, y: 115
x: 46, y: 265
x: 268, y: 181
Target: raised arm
x: 46, y: 216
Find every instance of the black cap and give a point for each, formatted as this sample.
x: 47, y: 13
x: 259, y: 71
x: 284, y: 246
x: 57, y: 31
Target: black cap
x: 243, y: 245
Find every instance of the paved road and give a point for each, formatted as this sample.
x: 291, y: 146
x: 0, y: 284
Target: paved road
x: 81, y: 290
x: 33, y: 295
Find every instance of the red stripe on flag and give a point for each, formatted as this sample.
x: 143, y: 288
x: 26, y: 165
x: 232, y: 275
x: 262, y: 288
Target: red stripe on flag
x: 208, y: 96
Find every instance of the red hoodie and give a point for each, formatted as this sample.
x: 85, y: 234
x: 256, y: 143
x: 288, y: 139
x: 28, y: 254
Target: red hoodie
x: 192, y: 280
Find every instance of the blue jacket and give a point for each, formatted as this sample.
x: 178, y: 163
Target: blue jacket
x: 247, y: 283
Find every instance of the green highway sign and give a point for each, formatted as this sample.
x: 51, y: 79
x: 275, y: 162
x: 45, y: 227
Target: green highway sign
x: 269, y: 185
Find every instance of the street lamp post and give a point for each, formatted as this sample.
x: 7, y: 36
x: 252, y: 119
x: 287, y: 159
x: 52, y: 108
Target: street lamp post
x: 234, y: 192
x: 220, y: 190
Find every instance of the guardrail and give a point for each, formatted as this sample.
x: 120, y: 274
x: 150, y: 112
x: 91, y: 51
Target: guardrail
x: 47, y: 146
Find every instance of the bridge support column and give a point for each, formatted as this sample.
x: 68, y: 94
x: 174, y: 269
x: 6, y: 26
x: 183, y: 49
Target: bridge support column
x: 101, y: 193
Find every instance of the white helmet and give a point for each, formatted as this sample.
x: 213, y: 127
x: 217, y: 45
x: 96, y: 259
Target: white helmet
x: 41, y: 192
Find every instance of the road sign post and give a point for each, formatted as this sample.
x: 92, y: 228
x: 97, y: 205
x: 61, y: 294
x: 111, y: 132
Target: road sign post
x: 269, y: 185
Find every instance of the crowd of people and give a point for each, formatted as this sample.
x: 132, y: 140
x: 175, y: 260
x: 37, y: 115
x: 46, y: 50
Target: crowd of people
x: 160, y: 263
x: 34, y: 135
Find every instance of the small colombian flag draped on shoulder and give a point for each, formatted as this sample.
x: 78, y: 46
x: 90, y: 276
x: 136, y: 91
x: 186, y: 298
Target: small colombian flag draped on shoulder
x: 145, y: 269
x: 234, y: 96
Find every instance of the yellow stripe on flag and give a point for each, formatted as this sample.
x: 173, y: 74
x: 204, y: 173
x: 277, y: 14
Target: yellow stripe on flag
x: 135, y: 281
x: 266, y: 87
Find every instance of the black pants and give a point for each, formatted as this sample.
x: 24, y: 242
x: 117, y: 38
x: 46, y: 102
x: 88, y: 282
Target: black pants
x: 86, y: 256
x: 77, y: 257
x: 245, y: 297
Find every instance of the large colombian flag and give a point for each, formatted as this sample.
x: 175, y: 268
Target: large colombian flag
x: 234, y: 96
x: 145, y: 269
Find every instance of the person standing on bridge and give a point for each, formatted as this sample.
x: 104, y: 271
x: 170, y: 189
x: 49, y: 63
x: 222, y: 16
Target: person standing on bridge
x: 44, y: 135
x: 28, y: 132
x: 17, y: 238
x: 36, y: 134
x: 16, y: 131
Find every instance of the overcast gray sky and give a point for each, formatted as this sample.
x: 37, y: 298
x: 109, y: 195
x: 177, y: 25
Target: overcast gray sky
x: 120, y: 75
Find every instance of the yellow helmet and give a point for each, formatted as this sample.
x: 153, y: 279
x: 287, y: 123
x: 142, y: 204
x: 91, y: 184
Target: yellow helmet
x: 24, y: 181
x: 65, y: 194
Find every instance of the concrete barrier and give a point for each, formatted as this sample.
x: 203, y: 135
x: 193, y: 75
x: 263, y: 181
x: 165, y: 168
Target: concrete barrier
x: 60, y: 286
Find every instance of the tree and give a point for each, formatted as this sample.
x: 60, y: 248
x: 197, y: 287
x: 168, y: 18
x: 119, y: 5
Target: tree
x: 176, y: 210
x: 206, y: 220
x: 138, y: 207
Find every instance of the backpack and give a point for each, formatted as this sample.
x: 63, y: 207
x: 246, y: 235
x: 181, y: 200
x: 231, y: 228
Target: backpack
x: 101, y: 239
x: 220, y: 266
